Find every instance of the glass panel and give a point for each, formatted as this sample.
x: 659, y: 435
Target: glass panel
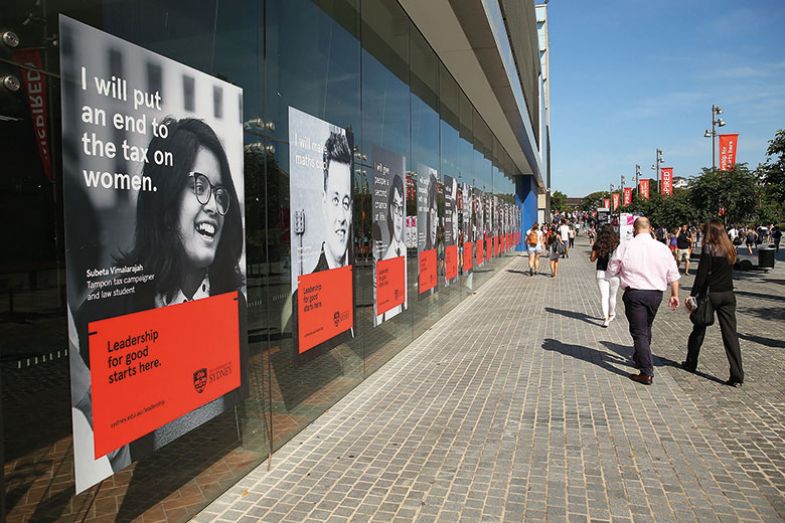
x: 314, y: 69
x: 183, y: 476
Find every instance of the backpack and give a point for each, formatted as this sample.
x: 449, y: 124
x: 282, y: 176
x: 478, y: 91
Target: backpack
x: 531, y: 239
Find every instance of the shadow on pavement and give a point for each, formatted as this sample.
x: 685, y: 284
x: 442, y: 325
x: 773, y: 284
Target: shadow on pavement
x: 659, y: 361
x: 597, y: 357
x: 761, y: 340
x: 591, y: 320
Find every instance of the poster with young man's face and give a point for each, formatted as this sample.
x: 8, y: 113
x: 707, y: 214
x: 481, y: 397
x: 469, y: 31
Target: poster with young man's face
x: 321, y: 206
x: 427, y: 228
x: 389, y: 246
x: 467, y: 229
x: 153, y: 201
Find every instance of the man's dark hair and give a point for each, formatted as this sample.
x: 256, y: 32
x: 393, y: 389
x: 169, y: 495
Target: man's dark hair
x: 157, y: 243
x: 336, y: 149
x: 396, y: 185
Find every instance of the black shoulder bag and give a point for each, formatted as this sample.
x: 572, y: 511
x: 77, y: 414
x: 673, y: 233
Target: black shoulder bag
x: 703, y: 315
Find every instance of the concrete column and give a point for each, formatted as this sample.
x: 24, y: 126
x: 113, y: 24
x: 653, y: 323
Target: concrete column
x: 526, y: 199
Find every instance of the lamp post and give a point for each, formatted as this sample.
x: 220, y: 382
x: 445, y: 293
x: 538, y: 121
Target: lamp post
x: 621, y: 194
x: 637, y: 179
x: 656, y: 167
x: 716, y: 121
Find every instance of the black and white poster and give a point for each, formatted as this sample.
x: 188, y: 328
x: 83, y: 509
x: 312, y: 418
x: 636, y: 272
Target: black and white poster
x: 155, y: 255
x: 389, y: 247
x: 321, y: 160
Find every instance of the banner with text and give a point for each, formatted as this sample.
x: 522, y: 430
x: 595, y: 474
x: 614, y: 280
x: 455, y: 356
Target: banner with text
x: 153, y: 197
x: 427, y: 229
x: 627, y: 196
x: 616, y: 200
x: 644, y: 188
x: 666, y: 181
x: 728, y: 145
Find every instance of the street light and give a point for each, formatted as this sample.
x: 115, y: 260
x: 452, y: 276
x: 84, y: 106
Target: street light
x: 637, y: 178
x: 716, y: 121
x: 656, y: 167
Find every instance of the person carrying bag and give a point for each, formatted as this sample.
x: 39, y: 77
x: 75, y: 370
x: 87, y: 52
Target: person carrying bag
x: 712, y: 292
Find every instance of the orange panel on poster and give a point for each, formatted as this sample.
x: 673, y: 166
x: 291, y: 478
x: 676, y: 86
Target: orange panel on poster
x: 390, y: 283
x: 427, y: 270
x: 451, y: 262
x: 149, y: 368
x: 479, y: 253
x: 324, y: 306
x: 467, y: 256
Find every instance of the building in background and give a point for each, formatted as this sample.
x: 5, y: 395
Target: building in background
x: 455, y: 91
x: 544, y: 201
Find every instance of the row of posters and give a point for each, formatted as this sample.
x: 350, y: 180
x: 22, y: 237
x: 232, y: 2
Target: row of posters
x: 153, y: 177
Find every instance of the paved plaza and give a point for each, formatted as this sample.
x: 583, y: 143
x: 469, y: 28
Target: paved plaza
x: 516, y: 406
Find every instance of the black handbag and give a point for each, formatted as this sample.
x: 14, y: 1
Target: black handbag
x: 703, y: 315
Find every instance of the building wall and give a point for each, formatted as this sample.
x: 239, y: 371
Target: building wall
x: 359, y: 65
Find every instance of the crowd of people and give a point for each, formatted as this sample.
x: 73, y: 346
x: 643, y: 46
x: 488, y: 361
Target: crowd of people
x: 647, y: 265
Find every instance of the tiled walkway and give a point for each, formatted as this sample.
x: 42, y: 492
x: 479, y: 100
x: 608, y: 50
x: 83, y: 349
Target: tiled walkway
x: 516, y: 407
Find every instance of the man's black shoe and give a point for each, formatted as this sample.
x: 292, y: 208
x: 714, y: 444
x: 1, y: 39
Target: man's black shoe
x: 689, y: 367
x: 734, y: 383
x: 645, y: 379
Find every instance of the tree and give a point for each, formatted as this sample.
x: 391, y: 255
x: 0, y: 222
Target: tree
x: 558, y: 201
x: 735, y: 191
x: 772, y: 177
x: 589, y: 202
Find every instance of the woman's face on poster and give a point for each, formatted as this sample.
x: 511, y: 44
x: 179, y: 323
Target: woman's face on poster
x: 434, y: 225
x: 337, y: 206
x: 397, y: 215
x: 200, y: 226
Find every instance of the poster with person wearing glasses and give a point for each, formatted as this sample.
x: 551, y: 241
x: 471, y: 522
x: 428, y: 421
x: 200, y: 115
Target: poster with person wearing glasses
x: 389, y: 247
x: 450, y: 229
x: 427, y: 229
x: 321, y: 209
x: 154, y: 244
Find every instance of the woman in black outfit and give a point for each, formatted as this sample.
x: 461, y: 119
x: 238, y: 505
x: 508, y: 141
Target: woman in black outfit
x: 715, y: 276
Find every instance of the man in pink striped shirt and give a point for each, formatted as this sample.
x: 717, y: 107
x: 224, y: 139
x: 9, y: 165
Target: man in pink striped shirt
x: 646, y: 268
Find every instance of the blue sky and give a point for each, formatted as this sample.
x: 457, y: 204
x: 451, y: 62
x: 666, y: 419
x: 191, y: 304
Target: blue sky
x: 629, y: 76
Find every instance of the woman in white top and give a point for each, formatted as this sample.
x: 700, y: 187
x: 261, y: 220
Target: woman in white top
x: 601, y: 252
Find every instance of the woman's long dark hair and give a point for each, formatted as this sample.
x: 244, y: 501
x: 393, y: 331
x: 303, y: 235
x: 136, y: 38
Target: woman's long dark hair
x: 717, y: 241
x: 157, y: 243
x: 606, y: 242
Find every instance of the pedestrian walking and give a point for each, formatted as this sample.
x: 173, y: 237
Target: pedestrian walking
x: 684, y: 241
x: 564, y: 233
x: 714, y: 282
x: 571, y: 236
x: 776, y: 235
x: 750, y: 238
x: 534, y: 248
x: 592, y: 234
x: 646, y: 269
x: 556, y: 248
x: 601, y: 252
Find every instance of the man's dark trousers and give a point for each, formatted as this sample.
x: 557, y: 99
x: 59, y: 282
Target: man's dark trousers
x: 640, y: 307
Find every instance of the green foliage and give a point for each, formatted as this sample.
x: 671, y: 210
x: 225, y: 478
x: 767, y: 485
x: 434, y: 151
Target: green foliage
x: 736, y: 191
x: 589, y: 202
x: 772, y: 178
x: 558, y: 201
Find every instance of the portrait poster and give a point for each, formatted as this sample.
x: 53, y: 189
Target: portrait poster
x: 153, y: 199
x: 427, y: 229
x: 389, y: 243
x: 479, y: 228
x: 488, y: 227
x: 321, y: 206
x: 467, y: 237
x: 450, y: 229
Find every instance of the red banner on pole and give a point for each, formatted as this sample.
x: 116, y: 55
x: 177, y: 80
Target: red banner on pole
x: 666, y: 181
x: 644, y: 188
x: 606, y: 203
x: 616, y: 199
x: 728, y: 146
x: 35, y: 93
x: 627, y: 196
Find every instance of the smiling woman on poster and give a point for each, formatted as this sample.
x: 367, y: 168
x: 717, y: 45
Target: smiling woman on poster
x: 395, y: 212
x: 189, y: 237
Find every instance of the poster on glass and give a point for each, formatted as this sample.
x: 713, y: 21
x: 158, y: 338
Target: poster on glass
x: 467, y: 229
x: 155, y: 257
x: 450, y: 229
x: 427, y: 229
x: 321, y: 209
x: 389, y: 246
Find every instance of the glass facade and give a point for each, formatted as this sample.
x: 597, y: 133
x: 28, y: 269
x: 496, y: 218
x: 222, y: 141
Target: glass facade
x: 362, y: 66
